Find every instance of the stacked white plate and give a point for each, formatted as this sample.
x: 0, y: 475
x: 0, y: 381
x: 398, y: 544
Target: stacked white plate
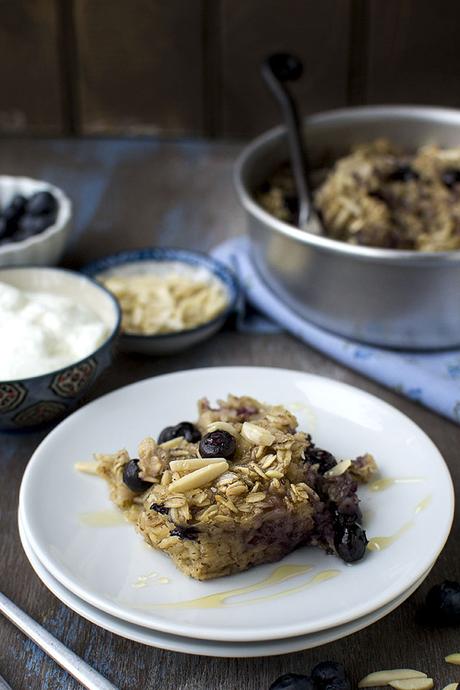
x: 97, y: 565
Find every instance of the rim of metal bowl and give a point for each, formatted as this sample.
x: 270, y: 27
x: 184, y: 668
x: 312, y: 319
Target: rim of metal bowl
x: 330, y: 117
x: 93, y: 269
x: 112, y: 335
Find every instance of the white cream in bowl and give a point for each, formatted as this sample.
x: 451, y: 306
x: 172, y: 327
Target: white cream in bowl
x: 41, y: 332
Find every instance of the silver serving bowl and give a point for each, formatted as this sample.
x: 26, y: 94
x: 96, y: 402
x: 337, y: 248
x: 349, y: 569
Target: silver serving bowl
x: 393, y: 298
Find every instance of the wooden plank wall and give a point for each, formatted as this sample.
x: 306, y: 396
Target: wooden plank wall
x: 191, y: 67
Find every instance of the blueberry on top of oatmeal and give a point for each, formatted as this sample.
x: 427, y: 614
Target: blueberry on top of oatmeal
x: 350, y: 542
x: 217, y: 444
x: 318, y: 456
x: 185, y: 429
x: 131, y: 477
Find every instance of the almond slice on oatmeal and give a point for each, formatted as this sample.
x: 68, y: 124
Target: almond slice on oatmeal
x: 221, y: 426
x: 172, y: 443
x: 190, y: 464
x: 256, y: 435
x: 412, y: 684
x: 338, y: 470
x: 380, y: 678
x: 453, y: 659
x: 451, y: 686
x: 199, y: 478
x: 89, y: 467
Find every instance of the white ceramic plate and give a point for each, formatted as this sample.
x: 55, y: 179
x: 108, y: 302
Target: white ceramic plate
x: 102, y: 565
x: 186, y: 645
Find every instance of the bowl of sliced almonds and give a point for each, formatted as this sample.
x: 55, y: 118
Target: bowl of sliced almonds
x: 170, y: 299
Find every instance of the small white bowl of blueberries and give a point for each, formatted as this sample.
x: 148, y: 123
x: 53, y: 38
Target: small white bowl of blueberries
x: 34, y: 221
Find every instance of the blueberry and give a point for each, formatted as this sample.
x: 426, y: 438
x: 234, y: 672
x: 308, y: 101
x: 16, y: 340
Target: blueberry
x: 41, y: 203
x: 4, y: 228
x: 184, y: 532
x: 327, y: 672
x: 339, y: 684
x: 159, y: 508
x: 15, y: 208
x: 292, y: 681
x: 317, y: 456
x: 218, y: 444
x: 350, y: 542
x: 185, y: 429
x: 442, y: 605
x: 131, y: 478
x: 451, y: 177
x: 403, y: 173
x: 33, y: 225
x: 11, y: 215
x: 348, y: 510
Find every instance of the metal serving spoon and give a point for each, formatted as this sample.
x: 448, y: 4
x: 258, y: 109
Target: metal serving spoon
x: 277, y: 70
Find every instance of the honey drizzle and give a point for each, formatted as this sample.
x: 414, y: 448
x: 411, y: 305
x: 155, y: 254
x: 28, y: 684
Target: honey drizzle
x: 384, y: 484
x: 380, y: 543
x: 280, y: 574
x: 102, y: 518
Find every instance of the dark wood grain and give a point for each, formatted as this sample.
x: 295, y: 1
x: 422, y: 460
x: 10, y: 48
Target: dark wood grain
x: 318, y: 32
x: 413, y: 52
x: 140, y: 66
x: 111, y: 169
x: 30, y: 68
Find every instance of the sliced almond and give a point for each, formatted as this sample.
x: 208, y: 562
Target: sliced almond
x: 221, y: 426
x: 451, y: 686
x: 190, y: 464
x: 86, y: 467
x: 379, y: 678
x: 412, y: 684
x: 256, y: 435
x: 199, y: 478
x: 339, y: 469
x: 172, y: 443
x: 453, y: 659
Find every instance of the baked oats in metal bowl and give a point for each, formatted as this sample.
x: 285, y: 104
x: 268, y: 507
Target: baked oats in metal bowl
x: 386, y: 270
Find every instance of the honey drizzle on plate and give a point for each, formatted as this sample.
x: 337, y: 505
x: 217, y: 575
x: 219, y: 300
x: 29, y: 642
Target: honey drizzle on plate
x: 380, y: 543
x: 280, y: 574
x: 102, y: 518
x: 386, y: 483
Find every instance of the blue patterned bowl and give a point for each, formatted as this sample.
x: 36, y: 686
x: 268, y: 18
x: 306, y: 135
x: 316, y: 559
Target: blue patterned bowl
x: 41, y: 400
x: 140, y: 261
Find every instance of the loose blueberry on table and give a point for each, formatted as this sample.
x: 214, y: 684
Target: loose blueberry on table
x: 292, y: 681
x: 442, y: 604
x: 330, y: 675
x: 327, y: 675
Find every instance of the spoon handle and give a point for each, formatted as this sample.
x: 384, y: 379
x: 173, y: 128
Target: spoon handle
x: 79, y: 669
x: 296, y: 146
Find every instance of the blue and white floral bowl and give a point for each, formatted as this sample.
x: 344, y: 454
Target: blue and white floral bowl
x: 138, y: 261
x: 41, y: 400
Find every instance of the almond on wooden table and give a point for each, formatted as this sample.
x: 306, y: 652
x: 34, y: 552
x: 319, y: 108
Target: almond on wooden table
x: 380, y: 678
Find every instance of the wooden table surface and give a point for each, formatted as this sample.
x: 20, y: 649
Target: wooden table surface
x: 131, y: 194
